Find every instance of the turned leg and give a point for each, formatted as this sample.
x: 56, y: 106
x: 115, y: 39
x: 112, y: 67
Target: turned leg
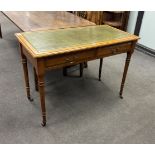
x: 100, y: 68
x: 40, y: 70
x: 35, y: 79
x: 125, y: 73
x: 81, y: 69
x: 26, y: 75
x: 42, y: 98
x: 0, y: 31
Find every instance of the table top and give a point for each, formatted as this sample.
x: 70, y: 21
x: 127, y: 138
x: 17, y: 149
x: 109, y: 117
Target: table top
x: 41, y: 20
x: 54, y: 42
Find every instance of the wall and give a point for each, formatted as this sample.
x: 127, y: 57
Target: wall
x: 147, y: 30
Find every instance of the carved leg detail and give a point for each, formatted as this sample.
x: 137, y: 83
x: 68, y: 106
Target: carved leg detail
x: 81, y: 69
x: 124, y: 74
x: 100, y: 68
x: 26, y: 75
x: 35, y: 79
x: 42, y: 99
x: 24, y: 62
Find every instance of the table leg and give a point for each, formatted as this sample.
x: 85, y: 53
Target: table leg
x: 26, y: 75
x: 40, y: 70
x: 42, y: 98
x: 81, y: 69
x: 35, y: 79
x: 125, y: 73
x: 100, y: 68
x: 0, y: 31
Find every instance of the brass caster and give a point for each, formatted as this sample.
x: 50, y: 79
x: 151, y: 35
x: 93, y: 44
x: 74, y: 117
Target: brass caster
x: 43, y: 124
x: 121, y: 96
x: 30, y: 99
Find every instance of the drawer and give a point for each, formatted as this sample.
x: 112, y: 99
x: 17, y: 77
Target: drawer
x: 114, y: 49
x: 71, y: 58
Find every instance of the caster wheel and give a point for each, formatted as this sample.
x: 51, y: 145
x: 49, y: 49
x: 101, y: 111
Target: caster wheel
x: 121, y: 96
x: 43, y: 124
x: 30, y: 99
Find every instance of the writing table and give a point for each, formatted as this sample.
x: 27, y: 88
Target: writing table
x: 52, y: 49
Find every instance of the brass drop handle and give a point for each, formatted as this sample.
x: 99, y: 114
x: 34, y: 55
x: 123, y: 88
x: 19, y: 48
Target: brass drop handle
x: 71, y: 58
x: 68, y: 59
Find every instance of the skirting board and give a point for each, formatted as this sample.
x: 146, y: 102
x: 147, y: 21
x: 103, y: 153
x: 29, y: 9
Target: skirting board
x: 145, y: 49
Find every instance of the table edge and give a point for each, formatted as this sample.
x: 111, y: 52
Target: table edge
x: 36, y: 53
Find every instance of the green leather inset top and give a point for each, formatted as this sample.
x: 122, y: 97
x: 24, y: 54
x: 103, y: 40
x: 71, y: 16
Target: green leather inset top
x: 50, y: 40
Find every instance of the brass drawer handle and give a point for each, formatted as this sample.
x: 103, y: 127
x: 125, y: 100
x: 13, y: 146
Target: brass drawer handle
x: 72, y: 58
x: 68, y: 59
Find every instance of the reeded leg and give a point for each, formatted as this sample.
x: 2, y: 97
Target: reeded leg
x: 81, y: 69
x: 35, y: 79
x: 0, y: 31
x: 26, y: 75
x: 42, y: 98
x: 100, y: 68
x: 125, y: 73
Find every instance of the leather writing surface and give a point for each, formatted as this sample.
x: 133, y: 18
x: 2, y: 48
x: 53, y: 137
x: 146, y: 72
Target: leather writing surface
x: 60, y: 41
x: 72, y: 37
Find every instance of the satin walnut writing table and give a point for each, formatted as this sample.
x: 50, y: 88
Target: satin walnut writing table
x: 52, y: 49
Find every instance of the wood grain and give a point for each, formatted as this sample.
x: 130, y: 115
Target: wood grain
x: 43, y: 20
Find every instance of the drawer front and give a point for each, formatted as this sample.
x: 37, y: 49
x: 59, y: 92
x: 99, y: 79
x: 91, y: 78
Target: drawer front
x: 70, y: 59
x: 81, y: 56
x: 114, y: 49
